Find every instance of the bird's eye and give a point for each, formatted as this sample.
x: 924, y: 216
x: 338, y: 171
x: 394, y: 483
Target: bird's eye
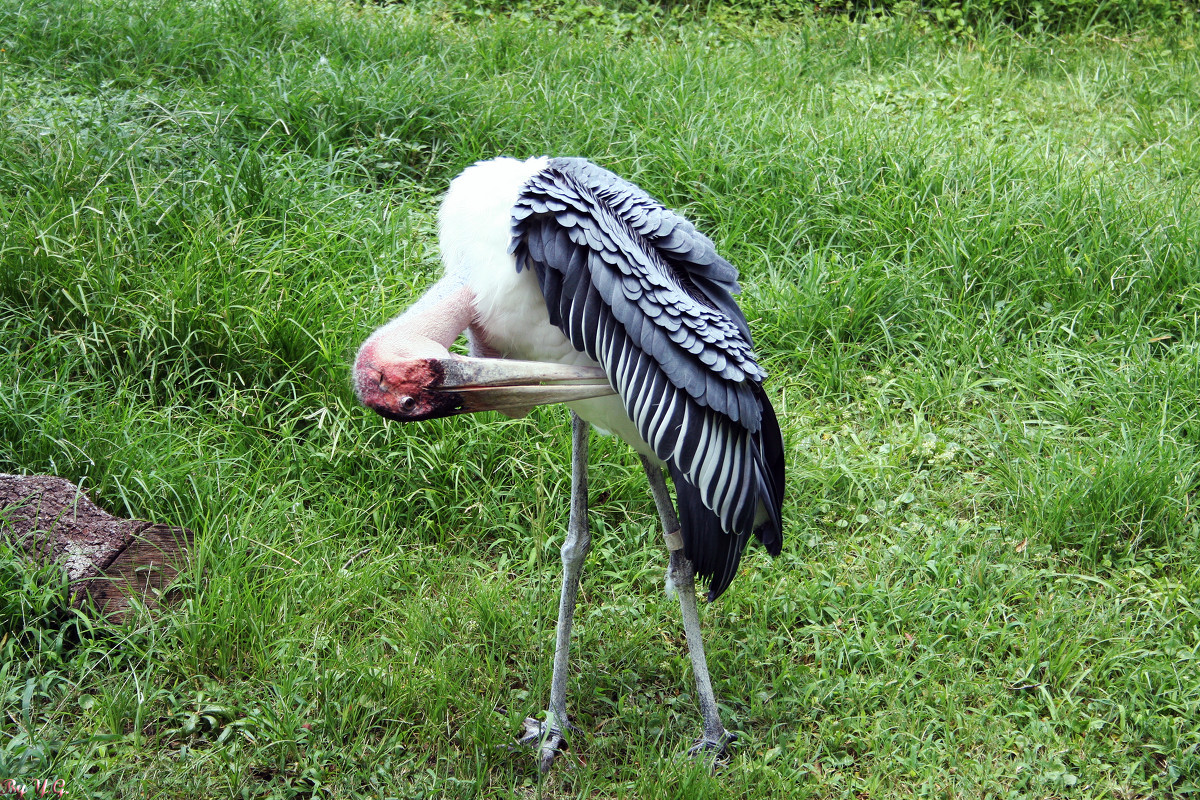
x: 408, y: 403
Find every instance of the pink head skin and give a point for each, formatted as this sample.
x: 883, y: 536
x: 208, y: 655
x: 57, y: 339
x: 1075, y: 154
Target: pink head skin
x: 404, y: 390
x: 398, y: 368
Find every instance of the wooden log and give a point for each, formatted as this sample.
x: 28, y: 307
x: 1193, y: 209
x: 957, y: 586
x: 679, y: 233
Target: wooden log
x: 107, y: 560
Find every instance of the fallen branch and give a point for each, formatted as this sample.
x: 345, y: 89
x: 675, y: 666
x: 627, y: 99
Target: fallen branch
x: 107, y: 560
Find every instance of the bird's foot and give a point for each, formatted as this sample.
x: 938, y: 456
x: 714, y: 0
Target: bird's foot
x: 547, y: 738
x: 714, y: 749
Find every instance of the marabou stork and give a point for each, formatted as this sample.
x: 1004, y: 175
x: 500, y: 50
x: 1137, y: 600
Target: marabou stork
x: 619, y: 307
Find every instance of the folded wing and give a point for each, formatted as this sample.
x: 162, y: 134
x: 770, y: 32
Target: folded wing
x: 640, y: 290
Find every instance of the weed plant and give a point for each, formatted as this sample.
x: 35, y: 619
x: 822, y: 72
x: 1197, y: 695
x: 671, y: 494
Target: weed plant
x: 971, y: 266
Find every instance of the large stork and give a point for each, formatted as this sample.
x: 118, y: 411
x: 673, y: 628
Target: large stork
x: 603, y: 299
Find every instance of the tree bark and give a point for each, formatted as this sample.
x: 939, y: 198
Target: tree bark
x: 107, y: 560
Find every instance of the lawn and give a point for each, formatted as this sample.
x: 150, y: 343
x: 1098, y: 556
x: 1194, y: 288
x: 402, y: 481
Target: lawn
x: 972, y: 268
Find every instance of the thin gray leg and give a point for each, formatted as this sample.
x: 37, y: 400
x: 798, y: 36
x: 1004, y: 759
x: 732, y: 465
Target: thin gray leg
x: 682, y: 575
x: 549, y: 736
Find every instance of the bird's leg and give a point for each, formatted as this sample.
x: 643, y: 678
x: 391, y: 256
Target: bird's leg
x: 549, y: 736
x: 682, y: 575
x: 715, y: 741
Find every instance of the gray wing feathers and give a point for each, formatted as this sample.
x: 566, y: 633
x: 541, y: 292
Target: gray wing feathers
x: 695, y: 313
x: 639, y: 289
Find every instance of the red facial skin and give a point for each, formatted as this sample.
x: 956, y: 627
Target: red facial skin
x: 396, y: 371
x: 403, y: 390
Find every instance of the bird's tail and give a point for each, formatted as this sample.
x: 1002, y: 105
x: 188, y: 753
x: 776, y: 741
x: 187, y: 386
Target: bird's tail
x: 770, y: 447
x: 715, y: 552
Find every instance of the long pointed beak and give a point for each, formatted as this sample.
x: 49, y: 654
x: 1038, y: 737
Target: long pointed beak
x: 483, y: 384
x: 412, y: 389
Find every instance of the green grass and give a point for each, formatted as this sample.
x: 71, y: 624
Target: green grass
x: 971, y: 267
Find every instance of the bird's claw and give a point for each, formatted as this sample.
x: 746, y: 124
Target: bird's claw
x: 713, y: 749
x: 549, y: 740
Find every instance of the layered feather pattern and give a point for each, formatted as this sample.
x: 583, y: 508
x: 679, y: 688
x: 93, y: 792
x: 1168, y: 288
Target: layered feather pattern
x: 637, y: 288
